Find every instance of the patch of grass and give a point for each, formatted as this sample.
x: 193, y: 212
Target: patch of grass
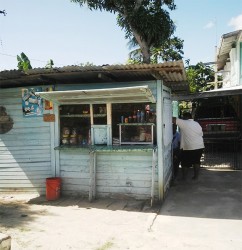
x: 106, y: 246
x: 24, y: 229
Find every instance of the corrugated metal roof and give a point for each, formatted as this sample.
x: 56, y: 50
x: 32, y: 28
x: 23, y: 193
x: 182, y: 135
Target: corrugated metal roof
x: 227, y: 41
x: 231, y: 91
x: 173, y: 74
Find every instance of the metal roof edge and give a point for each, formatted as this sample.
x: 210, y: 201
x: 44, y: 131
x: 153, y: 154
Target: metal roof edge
x: 221, y: 55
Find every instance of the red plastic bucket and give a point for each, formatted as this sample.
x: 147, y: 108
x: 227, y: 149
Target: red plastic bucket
x: 53, y: 188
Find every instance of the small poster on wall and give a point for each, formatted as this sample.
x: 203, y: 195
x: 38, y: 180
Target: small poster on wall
x: 32, y: 103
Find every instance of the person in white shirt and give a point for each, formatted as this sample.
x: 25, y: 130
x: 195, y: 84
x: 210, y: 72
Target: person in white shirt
x: 192, y: 144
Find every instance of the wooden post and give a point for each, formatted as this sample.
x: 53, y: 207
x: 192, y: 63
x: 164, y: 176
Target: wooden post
x: 154, y: 160
x: 92, y: 181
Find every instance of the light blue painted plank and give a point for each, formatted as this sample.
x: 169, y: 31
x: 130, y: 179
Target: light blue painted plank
x: 24, y: 169
x: 75, y: 174
x: 27, y: 153
x: 21, y: 174
x: 116, y: 183
x: 72, y: 168
x: 25, y: 165
x: 73, y: 181
x: 124, y: 177
x: 22, y: 159
x: 23, y: 137
x: 24, y: 147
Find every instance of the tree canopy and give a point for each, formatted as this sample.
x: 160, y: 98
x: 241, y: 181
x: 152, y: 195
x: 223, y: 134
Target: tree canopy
x: 171, y: 50
x: 200, y: 77
x: 145, y: 22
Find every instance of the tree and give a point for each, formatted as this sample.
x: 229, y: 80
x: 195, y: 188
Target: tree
x: 200, y: 77
x: 23, y: 62
x: 171, y: 50
x: 146, y: 22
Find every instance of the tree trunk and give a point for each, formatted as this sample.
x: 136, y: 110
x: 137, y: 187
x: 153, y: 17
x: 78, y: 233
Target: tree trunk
x: 145, y: 49
x: 146, y: 53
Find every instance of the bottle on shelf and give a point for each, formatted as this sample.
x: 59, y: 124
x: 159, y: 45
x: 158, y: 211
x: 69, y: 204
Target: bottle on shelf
x: 122, y: 119
x: 147, y: 115
x: 142, y: 116
x: 134, y: 117
x: 138, y: 115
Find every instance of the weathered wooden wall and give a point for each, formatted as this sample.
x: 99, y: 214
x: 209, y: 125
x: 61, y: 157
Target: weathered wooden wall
x: 75, y: 172
x: 27, y: 158
x: 121, y: 174
x: 118, y: 174
x: 25, y: 154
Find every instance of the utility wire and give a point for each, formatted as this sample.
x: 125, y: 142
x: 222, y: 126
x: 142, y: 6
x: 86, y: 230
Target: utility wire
x: 31, y: 59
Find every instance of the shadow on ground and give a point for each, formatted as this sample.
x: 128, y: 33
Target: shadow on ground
x: 217, y: 194
x: 102, y: 203
x: 17, y: 213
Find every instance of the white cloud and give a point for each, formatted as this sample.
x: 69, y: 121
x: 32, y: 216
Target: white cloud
x: 236, y: 22
x: 209, y: 25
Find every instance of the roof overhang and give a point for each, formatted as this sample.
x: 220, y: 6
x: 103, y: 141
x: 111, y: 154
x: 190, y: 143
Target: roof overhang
x: 108, y: 95
x: 237, y: 90
x: 227, y: 42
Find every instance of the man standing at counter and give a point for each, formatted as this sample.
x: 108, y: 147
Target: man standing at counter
x: 192, y: 144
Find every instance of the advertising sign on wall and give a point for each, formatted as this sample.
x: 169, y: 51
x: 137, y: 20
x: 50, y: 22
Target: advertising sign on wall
x: 32, y: 103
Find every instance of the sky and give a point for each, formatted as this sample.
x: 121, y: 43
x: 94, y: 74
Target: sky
x: 69, y: 35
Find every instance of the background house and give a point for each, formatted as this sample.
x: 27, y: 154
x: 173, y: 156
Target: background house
x: 229, y: 65
x: 229, y: 59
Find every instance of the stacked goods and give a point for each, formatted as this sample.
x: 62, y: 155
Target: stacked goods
x: 65, y: 136
x: 73, y: 137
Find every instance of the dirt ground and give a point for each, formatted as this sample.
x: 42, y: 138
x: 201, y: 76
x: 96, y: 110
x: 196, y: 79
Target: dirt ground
x: 202, y: 215
x: 72, y: 223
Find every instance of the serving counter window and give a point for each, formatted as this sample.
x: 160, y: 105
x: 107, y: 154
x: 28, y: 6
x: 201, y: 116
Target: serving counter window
x: 87, y: 124
x: 92, y: 116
